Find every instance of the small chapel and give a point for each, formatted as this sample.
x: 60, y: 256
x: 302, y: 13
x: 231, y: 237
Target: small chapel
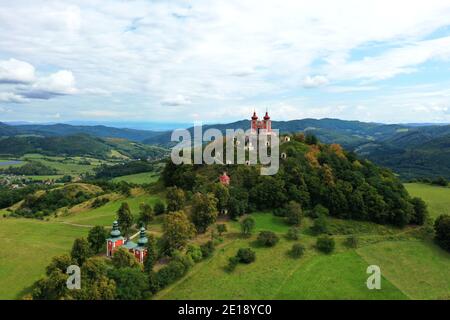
x: 115, y: 241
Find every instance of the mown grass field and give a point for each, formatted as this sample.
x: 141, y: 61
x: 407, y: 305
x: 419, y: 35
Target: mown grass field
x: 437, y: 198
x: 274, y: 275
x: 26, y: 248
x: 106, y: 214
x: 139, y: 178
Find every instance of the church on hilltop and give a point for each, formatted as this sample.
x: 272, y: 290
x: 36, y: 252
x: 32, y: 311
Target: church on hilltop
x: 261, y: 126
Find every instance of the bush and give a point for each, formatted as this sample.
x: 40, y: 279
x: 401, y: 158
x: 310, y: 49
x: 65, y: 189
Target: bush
x: 319, y: 210
x: 247, y: 226
x: 170, y: 273
x: 267, y: 238
x: 232, y: 263
x: 320, y: 225
x: 195, y: 253
x: 325, y: 244
x: 159, y: 208
x: 246, y: 255
x: 297, y: 250
x: 442, y: 231
x: 440, y: 181
x: 292, y: 233
x: 207, y: 249
x: 351, y: 242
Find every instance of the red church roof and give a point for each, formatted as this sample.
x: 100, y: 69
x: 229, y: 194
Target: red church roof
x: 224, y: 179
x: 254, y: 117
x: 266, y: 117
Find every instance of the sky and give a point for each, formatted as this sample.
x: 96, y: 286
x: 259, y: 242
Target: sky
x: 217, y: 61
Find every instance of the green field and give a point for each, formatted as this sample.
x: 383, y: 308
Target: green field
x: 437, y: 198
x: 26, y: 248
x: 139, y: 178
x: 420, y: 269
x: 106, y: 214
x: 66, y: 165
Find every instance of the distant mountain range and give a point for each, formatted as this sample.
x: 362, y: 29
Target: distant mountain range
x: 411, y: 150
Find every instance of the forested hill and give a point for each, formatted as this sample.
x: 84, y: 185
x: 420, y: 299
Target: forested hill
x: 312, y: 174
x: 66, y: 129
x: 346, y: 133
x: 422, y: 152
x: 78, y: 145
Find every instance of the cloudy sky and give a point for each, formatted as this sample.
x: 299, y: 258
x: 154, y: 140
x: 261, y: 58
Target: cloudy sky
x: 216, y: 61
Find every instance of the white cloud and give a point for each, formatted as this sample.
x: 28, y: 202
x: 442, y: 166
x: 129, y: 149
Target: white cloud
x: 14, y: 71
x: 177, y: 100
x: 58, y: 83
x: 314, y: 82
x: 11, y: 97
x: 218, y: 54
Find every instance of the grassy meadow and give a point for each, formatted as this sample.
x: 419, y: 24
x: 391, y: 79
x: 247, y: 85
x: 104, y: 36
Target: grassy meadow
x: 437, y: 198
x: 26, y: 248
x: 138, y: 178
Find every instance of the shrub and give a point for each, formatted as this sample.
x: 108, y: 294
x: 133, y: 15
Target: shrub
x: 246, y: 255
x: 294, y: 213
x: 194, y: 252
x: 292, y: 233
x: 207, y: 249
x: 319, y: 210
x: 221, y: 228
x: 232, y: 263
x: 320, y: 225
x: 159, y: 208
x: 325, y: 244
x: 442, y: 230
x: 247, y: 225
x: 170, y: 273
x: 267, y: 238
x: 351, y: 242
x: 297, y: 250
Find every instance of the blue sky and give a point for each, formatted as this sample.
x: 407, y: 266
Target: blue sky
x: 217, y: 61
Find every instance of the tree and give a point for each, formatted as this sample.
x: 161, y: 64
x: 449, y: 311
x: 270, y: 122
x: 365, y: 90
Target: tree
x: 59, y: 263
x: 319, y: 210
x: 207, y: 249
x: 80, y: 251
x: 247, y: 226
x: 152, y: 254
x: 311, y: 139
x: 420, y: 211
x: 246, y: 255
x: 294, y: 213
x: 268, y: 238
x: 297, y: 250
x: 325, y: 244
x: 320, y: 225
x: 292, y: 233
x: 221, y: 228
x: 440, y: 181
x: 222, y: 194
x: 159, y: 208
x: 122, y: 258
x: 95, y: 282
x: 175, y: 199
x: 177, y: 230
x: 194, y: 252
x: 131, y: 283
x: 204, y: 211
x: 53, y: 287
x: 442, y: 231
x: 125, y: 218
x: 146, y: 214
x: 97, y: 238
